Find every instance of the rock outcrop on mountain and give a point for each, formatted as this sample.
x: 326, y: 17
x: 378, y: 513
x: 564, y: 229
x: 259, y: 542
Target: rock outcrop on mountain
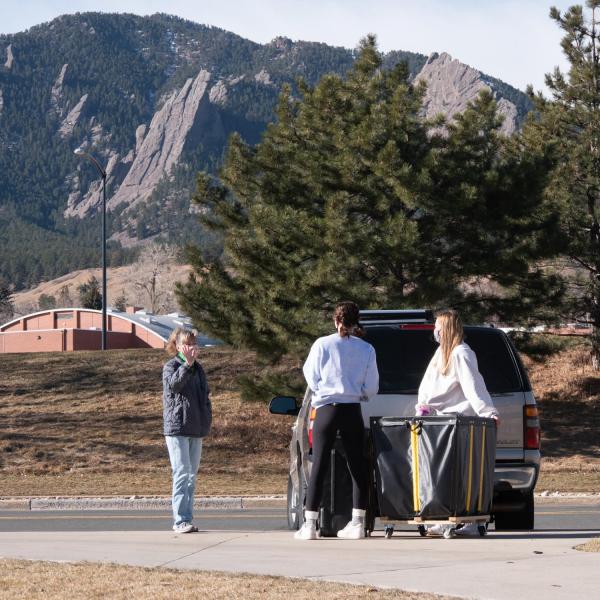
x: 56, y: 93
x: 72, y: 118
x: 78, y: 206
x: 452, y: 85
x: 187, y: 117
x: 263, y: 77
x: 218, y: 93
x: 140, y: 132
x: 10, y: 58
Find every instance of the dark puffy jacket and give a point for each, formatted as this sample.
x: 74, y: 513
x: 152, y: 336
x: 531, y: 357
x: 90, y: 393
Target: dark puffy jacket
x: 186, y: 406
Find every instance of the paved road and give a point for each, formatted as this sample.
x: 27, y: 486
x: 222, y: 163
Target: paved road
x: 138, y: 520
x: 549, y: 518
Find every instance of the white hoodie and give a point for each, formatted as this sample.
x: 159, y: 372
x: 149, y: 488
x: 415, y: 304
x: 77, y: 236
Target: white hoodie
x: 341, y: 369
x: 462, y: 390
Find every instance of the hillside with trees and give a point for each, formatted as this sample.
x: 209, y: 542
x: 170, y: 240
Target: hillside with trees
x: 101, y: 81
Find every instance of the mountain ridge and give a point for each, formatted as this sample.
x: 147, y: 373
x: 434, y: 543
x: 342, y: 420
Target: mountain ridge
x: 122, y: 87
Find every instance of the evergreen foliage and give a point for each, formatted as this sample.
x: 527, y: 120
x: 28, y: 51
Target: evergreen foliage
x: 121, y: 302
x: 46, y: 301
x: 90, y: 295
x: 64, y: 299
x: 569, y: 123
x: 351, y: 195
x: 7, y: 307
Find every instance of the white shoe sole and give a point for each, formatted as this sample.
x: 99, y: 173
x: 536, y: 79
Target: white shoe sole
x: 189, y: 529
x: 312, y: 536
x: 342, y: 535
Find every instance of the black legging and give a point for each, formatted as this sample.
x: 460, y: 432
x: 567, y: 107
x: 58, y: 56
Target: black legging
x: 346, y: 418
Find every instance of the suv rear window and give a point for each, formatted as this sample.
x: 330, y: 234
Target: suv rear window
x: 403, y: 356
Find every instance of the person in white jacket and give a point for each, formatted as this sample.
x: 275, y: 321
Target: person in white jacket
x: 452, y: 384
x: 341, y: 371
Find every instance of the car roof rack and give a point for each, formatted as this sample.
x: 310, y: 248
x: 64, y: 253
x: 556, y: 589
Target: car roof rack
x: 396, y: 316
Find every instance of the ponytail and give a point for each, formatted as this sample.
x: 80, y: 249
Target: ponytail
x: 347, y: 315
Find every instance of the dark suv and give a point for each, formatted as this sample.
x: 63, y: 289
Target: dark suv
x: 404, y: 344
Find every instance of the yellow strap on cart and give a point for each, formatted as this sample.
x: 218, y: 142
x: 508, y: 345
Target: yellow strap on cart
x: 414, y: 444
x: 481, y: 469
x: 470, y: 476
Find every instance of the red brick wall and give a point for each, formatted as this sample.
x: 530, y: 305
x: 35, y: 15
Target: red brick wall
x: 82, y: 331
x: 43, y: 321
x: 33, y: 341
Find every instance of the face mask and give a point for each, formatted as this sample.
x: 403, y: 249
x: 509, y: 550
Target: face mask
x: 436, y: 335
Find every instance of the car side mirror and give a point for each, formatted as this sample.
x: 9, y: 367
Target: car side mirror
x: 284, y: 405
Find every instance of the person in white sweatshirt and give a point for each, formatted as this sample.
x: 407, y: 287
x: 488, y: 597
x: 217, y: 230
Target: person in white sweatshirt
x: 341, y: 372
x: 452, y: 384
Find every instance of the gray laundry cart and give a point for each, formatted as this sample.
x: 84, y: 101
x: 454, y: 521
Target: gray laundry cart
x: 434, y: 470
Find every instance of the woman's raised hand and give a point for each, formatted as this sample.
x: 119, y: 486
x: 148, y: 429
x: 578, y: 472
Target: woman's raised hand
x: 190, y: 353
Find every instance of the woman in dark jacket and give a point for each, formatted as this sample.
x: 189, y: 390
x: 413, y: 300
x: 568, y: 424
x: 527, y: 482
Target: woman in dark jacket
x: 187, y: 415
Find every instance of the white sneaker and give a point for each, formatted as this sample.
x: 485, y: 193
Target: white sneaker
x: 439, y: 530
x: 183, y: 527
x: 306, y: 532
x: 352, y: 531
x: 468, y: 529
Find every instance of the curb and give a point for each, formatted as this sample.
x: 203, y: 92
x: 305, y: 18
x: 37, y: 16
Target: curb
x: 202, y: 503
x: 139, y: 503
x: 547, y: 497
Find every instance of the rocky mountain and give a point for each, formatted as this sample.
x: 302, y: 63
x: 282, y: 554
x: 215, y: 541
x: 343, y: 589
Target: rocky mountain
x: 155, y: 100
x: 451, y: 85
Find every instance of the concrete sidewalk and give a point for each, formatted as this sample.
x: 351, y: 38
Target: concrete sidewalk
x: 501, y: 566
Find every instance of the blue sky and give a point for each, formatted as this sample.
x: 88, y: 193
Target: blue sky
x: 510, y: 39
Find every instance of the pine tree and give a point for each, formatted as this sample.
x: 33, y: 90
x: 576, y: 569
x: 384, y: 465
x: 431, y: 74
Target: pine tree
x: 64, y: 299
x: 46, y: 301
x: 352, y: 195
x: 7, y: 307
x: 121, y: 302
x: 569, y: 123
x: 90, y: 295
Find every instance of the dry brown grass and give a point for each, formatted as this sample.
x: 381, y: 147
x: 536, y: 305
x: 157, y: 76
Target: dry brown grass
x: 43, y: 580
x: 88, y: 423
x: 591, y: 546
x: 568, y: 394
x: 120, y: 280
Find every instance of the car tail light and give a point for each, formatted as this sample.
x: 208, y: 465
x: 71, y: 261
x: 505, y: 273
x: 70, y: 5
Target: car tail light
x: 311, y: 422
x: 531, y: 422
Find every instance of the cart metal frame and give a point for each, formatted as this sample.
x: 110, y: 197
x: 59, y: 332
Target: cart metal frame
x: 421, y: 524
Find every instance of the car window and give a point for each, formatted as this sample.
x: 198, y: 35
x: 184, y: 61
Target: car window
x: 403, y: 356
x: 495, y: 360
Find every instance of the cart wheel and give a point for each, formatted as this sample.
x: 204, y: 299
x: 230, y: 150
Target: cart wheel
x: 388, y: 531
x: 449, y: 532
x: 422, y: 530
x: 482, y: 530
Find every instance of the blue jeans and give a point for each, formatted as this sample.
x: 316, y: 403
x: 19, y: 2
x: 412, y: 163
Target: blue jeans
x: 184, y: 453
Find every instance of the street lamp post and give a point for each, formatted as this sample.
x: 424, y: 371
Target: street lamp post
x: 83, y: 154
